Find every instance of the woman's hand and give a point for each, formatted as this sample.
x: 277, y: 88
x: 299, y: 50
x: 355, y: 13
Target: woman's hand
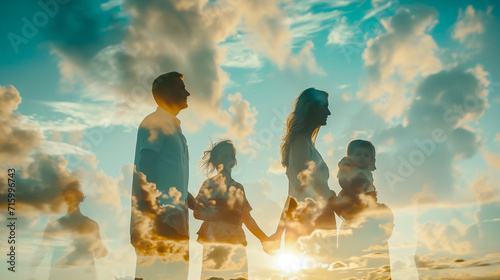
x: 272, y: 244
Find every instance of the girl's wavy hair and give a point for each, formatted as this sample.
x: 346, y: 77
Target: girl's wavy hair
x: 357, y: 143
x: 207, y: 162
x: 296, y: 122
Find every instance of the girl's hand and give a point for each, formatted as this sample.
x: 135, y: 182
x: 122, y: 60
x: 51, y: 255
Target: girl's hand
x: 271, y: 244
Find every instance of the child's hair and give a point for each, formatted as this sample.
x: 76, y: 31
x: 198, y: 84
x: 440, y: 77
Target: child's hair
x: 358, y: 143
x: 207, y: 162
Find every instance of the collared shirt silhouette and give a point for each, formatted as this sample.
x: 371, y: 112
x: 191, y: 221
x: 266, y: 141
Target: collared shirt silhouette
x: 161, y: 133
x: 159, y: 228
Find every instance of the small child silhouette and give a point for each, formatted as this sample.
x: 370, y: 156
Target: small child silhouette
x: 222, y: 205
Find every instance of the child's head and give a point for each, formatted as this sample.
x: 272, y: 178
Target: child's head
x: 362, y: 153
x: 219, y: 156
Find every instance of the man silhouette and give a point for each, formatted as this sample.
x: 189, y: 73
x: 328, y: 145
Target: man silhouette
x: 159, y: 228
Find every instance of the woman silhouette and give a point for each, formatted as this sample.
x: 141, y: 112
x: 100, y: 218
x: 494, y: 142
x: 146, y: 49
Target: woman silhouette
x: 309, y: 205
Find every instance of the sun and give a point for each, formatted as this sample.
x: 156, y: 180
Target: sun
x: 291, y: 262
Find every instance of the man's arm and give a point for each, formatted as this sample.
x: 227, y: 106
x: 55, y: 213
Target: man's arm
x: 148, y: 164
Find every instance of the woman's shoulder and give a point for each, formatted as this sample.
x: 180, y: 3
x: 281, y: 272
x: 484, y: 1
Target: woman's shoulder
x: 300, y: 146
x: 299, y: 140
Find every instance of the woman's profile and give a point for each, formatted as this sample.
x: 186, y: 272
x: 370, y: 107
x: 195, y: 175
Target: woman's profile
x: 309, y: 205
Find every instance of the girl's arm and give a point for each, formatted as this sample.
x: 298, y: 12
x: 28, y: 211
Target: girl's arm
x: 253, y: 227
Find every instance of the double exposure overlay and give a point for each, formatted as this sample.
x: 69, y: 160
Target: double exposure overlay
x: 235, y: 139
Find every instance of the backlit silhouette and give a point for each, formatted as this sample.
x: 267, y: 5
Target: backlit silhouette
x: 222, y: 205
x: 74, y: 241
x: 159, y: 228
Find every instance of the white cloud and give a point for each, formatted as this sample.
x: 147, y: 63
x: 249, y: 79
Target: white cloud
x: 18, y: 138
x: 240, y: 55
x: 328, y: 138
x: 239, y: 120
x: 377, y: 9
x: 306, y: 58
x: 469, y: 23
x: 395, y: 59
x: 304, y: 25
x: 275, y: 166
x: 342, y: 33
x: 439, y: 237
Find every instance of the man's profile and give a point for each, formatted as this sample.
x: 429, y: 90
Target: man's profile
x: 159, y: 228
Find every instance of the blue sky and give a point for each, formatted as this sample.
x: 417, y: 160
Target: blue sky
x: 394, y: 70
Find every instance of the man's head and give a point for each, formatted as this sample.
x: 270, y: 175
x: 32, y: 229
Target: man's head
x: 169, y: 90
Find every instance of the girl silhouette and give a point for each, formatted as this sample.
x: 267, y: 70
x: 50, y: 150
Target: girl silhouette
x: 223, y: 207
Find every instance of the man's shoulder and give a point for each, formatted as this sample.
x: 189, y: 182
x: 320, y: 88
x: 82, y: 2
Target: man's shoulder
x: 153, y: 119
x: 156, y: 122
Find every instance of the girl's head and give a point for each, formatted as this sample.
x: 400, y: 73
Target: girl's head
x: 219, y: 156
x: 310, y: 111
x: 362, y: 153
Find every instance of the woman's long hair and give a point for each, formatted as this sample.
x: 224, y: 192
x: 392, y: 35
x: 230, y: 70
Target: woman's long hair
x: 297, y: 120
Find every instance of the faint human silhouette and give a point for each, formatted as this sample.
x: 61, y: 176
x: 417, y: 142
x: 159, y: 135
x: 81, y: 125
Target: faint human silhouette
x: 222, y: 205
x: 159, y: 228
x: 74, y: 241
x: 310, y: 202
x: 367, y: 225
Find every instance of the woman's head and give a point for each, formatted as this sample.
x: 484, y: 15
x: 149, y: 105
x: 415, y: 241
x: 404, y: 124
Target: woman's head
x: 362, y: 153
x: 219, y: 156
x: 309, y: 113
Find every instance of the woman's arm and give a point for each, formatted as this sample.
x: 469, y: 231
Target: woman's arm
x: 302, y: 158
x: 343, y: 176
x: 301, y: 154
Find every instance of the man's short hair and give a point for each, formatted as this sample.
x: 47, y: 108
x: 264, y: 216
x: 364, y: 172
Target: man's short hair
x: 164, y: 82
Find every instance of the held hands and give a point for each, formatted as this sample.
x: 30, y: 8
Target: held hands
x: 271, y: 244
